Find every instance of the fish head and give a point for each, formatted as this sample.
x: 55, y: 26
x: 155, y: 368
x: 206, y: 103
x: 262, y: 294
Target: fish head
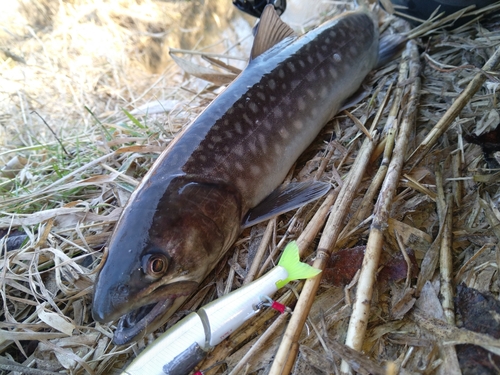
x: 160, y: 251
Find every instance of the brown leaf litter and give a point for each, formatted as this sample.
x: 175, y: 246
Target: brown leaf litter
x: 414, y: 206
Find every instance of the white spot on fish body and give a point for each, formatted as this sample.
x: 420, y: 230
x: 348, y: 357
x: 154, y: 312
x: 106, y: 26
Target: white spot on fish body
x: 281, y: 73
x: 327, y: 40
x: 320, y: 56
x: 272, y: 98
x: 301, y: 103
x: 284, y: 133
x: 202, y: 158
x: 324, y: 47
x: 302, y: 63
x: 291, y: 66
x: 277, y: 149
x: 298, y: 124
x: 278, y: 112
x: 268, y: 125
x: 238, y: 127
x: 294, y: 84
x: 247, y: 119
x: 253, y: 147
x: 261, y: 95
x: 271, y: 84
x: 310, y: 93
x: 353, y: 50
x: 238, y: 150
x: 263, y: 142
x: 253, y: 107
x: 333, y: 34
x: 324, y: 92
x: 255, y: 170
x: 283, y: 86
x: 239, y: 166
x: 337, y: 57
x: 228, y: 134
x: 310, y: 60
x: 216, y: 138
x: 333, y: 73
x: 311, y: 76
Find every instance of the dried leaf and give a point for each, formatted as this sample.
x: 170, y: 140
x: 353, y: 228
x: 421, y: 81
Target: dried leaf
x: 56, y: 321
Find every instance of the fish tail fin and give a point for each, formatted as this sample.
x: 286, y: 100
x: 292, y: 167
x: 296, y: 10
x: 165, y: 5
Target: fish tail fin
x: 296, y: 269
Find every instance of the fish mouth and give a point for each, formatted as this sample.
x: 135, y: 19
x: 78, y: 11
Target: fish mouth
x: 137, y: 321
x: 147, y: 318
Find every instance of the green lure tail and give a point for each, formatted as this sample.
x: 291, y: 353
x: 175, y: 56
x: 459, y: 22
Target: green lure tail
x: 290, y: 261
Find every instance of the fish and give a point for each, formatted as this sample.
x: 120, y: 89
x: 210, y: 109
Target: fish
x: 223, y: 172
x: 178, y: 350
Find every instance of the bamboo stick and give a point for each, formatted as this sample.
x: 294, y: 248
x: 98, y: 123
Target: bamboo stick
x: 361, y: 309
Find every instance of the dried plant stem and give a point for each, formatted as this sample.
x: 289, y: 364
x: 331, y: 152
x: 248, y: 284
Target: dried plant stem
x: 455, y: 109
x: 271, y: 225
x: 288, y: 348
x: 361, y: 309
x: 259, y: 343
x: 312, y: 229
x: 446, y: 264
x: 458, y: 185
x: 453, y: 335
x: 366, y: 205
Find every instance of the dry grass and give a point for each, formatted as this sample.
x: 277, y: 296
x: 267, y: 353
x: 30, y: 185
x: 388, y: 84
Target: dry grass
x: 59, y: 58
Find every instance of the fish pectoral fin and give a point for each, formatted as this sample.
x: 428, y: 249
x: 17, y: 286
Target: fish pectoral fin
x: 285, y: 199
x: 390, y: 47
x: 270, y: 31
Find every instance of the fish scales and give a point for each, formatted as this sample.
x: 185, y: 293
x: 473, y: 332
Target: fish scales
x: 187, y: 211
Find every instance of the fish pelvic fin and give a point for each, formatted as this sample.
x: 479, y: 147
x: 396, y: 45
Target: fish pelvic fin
x: 296, y: 269
x: 271, y: 30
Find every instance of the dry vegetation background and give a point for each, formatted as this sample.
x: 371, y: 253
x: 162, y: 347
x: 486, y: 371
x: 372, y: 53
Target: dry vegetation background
x: 75, y: 64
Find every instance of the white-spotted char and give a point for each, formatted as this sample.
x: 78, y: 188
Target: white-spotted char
x: 214, y: 178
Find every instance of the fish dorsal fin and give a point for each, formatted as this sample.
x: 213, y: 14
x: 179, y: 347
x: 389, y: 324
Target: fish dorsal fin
x: 271, y: 30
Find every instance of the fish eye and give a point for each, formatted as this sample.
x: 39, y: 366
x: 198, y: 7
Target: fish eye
x: 155, y: 265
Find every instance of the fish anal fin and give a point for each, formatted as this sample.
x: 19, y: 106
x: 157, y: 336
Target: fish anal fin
x: 271, y: 30
x: 285, y: 199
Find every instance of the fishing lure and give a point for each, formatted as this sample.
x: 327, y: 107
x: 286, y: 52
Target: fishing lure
x: 178, y: 350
